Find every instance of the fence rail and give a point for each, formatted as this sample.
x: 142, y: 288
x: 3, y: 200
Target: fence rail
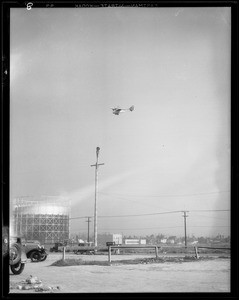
x: 201, y: 247
x: 217, y: 248
x: 132, y: 247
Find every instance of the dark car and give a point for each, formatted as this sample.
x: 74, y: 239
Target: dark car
x: 58, y: 247
x: 35, y: 251
x: 17, y: 255
x: 110, y: 244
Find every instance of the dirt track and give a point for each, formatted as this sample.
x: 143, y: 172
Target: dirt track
x: 192, y: 276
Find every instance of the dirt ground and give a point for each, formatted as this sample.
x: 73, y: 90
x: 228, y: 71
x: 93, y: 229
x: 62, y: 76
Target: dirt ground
x: 209, y: 275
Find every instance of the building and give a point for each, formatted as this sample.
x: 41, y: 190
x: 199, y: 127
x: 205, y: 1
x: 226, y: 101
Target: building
x: 135, y: 241
x: 117, y: 238
x: 44, y: 218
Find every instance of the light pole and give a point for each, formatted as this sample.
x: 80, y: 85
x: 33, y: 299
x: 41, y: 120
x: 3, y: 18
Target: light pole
x: 185, y: 227
x: 88, y: 238
x: 96, y: 165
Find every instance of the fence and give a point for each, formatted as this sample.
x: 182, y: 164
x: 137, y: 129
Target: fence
x: 155, y: 247
x: 201, y: 247
x: 132, y: 247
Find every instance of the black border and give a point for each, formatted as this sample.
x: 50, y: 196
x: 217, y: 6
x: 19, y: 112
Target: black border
x: 5, y: 148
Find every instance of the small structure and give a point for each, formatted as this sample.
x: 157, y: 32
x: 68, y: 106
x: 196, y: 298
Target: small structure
x: 135, y: 241
x: 142, y: 241
x: 131, y: 241
x: 117, y: 238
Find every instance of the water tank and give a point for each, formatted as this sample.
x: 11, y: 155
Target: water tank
x: 44, y: 218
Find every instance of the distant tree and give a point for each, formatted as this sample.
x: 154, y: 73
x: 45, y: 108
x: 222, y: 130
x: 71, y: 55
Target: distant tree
x: 179, y: 240
x: 151, y: 239
x: 227, y: 239
x: 159, y: 237
x: 202, y: 240
x: 129, y: 237
x: 103, y: 238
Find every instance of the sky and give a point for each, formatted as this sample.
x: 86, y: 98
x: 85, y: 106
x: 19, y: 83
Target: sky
x: 69, y: 67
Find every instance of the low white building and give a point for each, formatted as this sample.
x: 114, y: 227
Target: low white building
x: 117, y: 238
x: 131, y: 242
x: 135, y: 241
x: 142, y: 241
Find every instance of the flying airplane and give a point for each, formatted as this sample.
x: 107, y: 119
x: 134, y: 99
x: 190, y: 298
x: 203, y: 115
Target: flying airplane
x: 117, y: 110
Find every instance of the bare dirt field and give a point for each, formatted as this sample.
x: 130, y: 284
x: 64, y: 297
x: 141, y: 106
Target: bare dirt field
x: 207, y: 275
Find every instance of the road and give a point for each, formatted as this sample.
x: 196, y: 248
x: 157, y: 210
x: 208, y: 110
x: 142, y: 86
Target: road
x: 169, y: 277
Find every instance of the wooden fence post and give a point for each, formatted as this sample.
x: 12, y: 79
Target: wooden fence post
x: 156, y: 251
x: 64, y: 253
x: 196, y: 252
x: 109, y: 254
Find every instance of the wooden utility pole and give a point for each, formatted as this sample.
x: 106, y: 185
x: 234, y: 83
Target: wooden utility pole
x: 96, y: 165
x: 88, y: 221
x: 185, y: 227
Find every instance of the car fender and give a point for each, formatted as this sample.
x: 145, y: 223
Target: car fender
x: 15, y: 254
x: 28, y: 254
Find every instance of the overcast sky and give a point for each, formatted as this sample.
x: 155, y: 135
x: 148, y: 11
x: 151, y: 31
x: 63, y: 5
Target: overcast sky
x: 172, y: 153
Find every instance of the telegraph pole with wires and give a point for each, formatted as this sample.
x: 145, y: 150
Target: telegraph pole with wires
x: 96, y: 165
x: 88, y: 238
x: 185, y: 227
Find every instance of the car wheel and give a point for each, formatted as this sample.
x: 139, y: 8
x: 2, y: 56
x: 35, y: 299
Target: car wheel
x: 15, y: 254
x: 43, y: 257
x: 17, y: 269
x: 35, y: 256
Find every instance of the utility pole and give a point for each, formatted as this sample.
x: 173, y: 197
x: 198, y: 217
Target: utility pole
x: 185, y: 227
x: 88, y: 221
x: 96, y: 165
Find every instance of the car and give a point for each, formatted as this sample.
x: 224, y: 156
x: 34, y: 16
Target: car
x: 58, y: 247
x: 35, y: 251
x: 110, y: 244
x: 17, y: 254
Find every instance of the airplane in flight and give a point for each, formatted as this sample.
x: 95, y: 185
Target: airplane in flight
x: 118, y: 110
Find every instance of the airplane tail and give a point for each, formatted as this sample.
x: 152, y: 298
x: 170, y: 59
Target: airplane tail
x: 131, y: 108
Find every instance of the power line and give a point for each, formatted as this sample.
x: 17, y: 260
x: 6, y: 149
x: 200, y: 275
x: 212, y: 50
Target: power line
x: 80, y: 217
x: 177, y: 195
x: 160, y: 227
x: 110, y: 229
x: 140, y: 228
x: 143, y: 203
x: 210, y: 226
x: 157, y: 213
x: 209, y: 210
x: 135, y: 201
x: 140, y: 215
x: 210, y: 217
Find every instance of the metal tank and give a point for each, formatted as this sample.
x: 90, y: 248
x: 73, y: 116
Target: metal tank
x: 44, y: 218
